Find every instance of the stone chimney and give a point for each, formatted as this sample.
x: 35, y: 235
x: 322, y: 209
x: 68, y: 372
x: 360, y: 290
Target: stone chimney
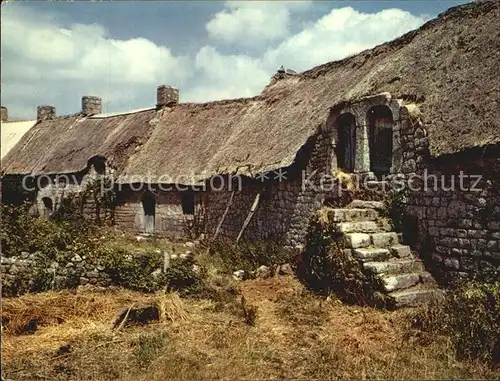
x: 5, y: 114
x: 91, y: 105
x: 166, y: 96
x: 45, y: 112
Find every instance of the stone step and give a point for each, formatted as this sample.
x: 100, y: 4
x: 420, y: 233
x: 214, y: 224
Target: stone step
x: 386, y: 239
x: 362, y: 204
x: 401, y: 251
x: 356, y: 240
x: 358, y: 227
x: 371, y: 254
x: 384, y: 225
x: 415, y: 296
x: 399, y: 282
x: 352, y: 215
x: 395, y: 267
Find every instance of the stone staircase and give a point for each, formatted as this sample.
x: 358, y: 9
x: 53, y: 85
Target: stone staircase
x: 402, y: 277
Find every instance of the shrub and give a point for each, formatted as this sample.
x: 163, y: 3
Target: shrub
x: 22, y: 231
x: 247, y: 255
x: 134, y: 271
x: 250, y: 312
x: 470, y: 316
x: 395, y: 204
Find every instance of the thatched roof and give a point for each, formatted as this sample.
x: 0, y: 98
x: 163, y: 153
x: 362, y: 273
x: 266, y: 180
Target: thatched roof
x: 449, y: 67
x: 12, y: 132
x: 65, y: 144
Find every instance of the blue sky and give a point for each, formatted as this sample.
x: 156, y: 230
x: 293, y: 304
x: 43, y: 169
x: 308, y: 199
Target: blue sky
x: 55, y: 52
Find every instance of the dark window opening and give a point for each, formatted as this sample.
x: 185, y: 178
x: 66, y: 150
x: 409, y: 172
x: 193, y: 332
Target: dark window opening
x: 43, y: 181
x: 380, y: 123
x: 346, y: 146
x: 187, y: 202
x: 410, y: 230
x: 148, y: 204
x: 100, y: 166
x: 48, y: 206
x: 149, y: 207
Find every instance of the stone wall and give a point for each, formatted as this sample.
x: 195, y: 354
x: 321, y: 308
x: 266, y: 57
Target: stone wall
x: 18, y: 272
x: 287, y: 198
x: 169, y: 217
x: 458, y: 225
x: 58, y: 187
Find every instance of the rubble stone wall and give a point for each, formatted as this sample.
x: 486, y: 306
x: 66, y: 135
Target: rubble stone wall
x: 77, y: 271
x: 457, y: 215
x: 287, y: 198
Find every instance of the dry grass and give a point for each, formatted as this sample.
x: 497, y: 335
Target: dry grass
x: 118, y: 239
x: 295, y: 335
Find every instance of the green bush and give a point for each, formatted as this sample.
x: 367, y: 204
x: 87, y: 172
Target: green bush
x: 247, y: 255
x: 327, y: 268
x: 470, y: 316
x: 22, y: 231
x: 134, y: 271
x: 395, y: 204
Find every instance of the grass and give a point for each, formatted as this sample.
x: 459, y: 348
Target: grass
x: 293, y: 335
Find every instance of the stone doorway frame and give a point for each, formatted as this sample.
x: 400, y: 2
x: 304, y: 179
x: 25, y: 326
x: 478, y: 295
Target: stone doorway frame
x: 360, y: 109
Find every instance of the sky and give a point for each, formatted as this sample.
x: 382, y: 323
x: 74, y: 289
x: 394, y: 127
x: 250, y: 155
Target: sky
x: 56, y: 52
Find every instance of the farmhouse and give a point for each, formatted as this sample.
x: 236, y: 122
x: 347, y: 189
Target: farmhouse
x: 257, y: 168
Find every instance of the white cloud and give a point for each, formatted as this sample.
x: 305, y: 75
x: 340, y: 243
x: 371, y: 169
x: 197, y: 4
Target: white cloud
x: 46, y: 63
x: 226, y: 76
x: 62, y: 64
x: 340, y: 33
x: 251, y: 23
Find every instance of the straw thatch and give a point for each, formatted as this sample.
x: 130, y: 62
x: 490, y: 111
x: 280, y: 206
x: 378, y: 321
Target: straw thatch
x: 64, y: 145
x: 448, y: 67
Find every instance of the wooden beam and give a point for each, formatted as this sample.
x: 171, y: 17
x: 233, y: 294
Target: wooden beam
x: 249, y: 217
x: 229, y: 203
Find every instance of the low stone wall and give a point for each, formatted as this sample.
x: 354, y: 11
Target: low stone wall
x: 24, y: 271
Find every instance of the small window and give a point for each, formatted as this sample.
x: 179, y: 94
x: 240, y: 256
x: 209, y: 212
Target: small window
x: 187, y: 201
x: 100, y: 167
x: 48, y: 206
x: 99, y: 164
x: 43, y: 181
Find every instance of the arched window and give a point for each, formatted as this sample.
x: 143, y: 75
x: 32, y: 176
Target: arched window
x: 149, y: 208
x: 99, y: 164
x: 380, y: 124
x: 346, y: 145
x: 48, y: 206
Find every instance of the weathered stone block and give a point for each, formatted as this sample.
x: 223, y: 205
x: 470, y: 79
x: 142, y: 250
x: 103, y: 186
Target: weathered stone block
x: 384, y: 239
x: 434, y: 231
x: 371, y: 254
x: 355, y: 240
x: 452, y: 263
x: 398, y: 282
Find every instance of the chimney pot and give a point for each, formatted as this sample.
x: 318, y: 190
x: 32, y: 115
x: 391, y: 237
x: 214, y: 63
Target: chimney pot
x: 91, y: 105
x: 5, y: 114
x: 166, y: 96
x: 45, y: 112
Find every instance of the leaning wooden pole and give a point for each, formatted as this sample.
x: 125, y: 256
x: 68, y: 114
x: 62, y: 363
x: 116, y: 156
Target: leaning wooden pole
x: 249, y: 217
x: 229, y: 203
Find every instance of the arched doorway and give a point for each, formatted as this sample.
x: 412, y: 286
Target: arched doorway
x: 149, y: 206
x: 346, y: 147
x: 48, y: 206
x: 380, y: 124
